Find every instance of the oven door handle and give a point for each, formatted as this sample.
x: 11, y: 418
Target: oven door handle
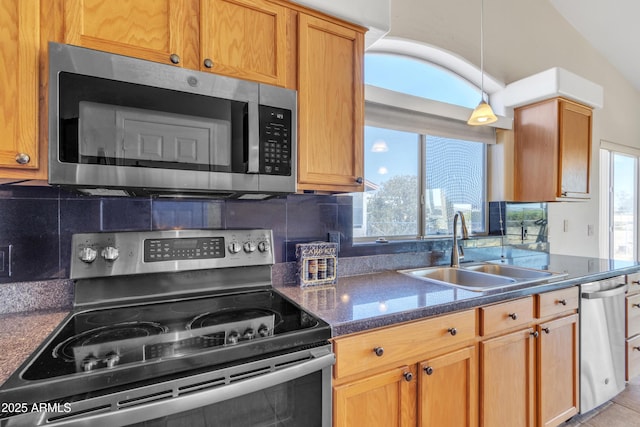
x: 164, y: 407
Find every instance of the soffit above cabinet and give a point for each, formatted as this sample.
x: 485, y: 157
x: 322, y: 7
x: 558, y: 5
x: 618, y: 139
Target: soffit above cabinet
x: 372, y: 14
x: 552, y: 83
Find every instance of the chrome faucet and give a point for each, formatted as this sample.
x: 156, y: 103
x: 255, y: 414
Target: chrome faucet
x: 456, y: 252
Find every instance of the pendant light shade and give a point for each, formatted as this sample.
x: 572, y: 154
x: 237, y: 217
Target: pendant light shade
x: 483, y: 114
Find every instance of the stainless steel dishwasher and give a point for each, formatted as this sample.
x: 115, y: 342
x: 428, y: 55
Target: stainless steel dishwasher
x: 602, y: 339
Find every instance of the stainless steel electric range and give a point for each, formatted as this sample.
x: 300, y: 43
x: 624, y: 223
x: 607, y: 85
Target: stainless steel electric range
x: 179, y: 327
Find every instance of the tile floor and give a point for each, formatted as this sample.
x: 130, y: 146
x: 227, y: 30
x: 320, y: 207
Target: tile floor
x: 622, y: 411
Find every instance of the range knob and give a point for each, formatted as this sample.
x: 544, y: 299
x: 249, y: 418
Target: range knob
x: 263, y: 331
x: 89, y: 363
x: 234, y: 247
x: 263, y: 246
x: 233, y: 338
x: 249, y: 334
x: 112, y: 359
x: 87, y: 254
x: 249, y: 247
x: 110, y: 253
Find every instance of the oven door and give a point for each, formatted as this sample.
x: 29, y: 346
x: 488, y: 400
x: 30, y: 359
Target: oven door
x: 293, y: 389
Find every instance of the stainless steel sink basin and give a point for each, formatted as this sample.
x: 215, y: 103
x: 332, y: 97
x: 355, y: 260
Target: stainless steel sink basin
x: 482, y: 277
x: 510, y: 271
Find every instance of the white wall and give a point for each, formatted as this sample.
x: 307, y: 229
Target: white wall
x: 524, y: 37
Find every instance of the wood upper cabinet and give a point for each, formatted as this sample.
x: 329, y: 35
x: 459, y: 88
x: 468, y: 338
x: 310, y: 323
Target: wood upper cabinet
x: 552, y: 152
x: 448, y: 390
x: 21, y: 156
x: 557, y: 373
x: 163, y: 31
x: 245, y: 39
x: 330, y: 105
x: 507, y: 380
x: 386, y: 399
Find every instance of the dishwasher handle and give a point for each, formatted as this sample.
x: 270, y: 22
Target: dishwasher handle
x: 620, y: 289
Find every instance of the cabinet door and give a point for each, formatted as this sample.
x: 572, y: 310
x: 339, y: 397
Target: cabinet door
x: 148, y: 29
x: 384, y: 400
x: 575, y: 149
x: 331, y: 106
x: 19, y: 50
x: 557, y: 371
x: 448, y: 390
x: 507, y: 380
x: 244, y: 39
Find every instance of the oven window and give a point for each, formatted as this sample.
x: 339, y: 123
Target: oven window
x: 294, y: 403
x: 110, y: 122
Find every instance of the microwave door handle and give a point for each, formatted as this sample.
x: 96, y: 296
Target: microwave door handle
x: 253, y: 146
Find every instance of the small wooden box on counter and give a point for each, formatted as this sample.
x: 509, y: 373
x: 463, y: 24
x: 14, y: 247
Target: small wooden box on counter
x: 317, y: 263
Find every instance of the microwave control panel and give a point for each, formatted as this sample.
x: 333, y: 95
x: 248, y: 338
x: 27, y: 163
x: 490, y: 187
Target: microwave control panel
x: 275, y: 141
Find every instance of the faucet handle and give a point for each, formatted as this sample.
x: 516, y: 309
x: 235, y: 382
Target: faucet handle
x: 460, y: 253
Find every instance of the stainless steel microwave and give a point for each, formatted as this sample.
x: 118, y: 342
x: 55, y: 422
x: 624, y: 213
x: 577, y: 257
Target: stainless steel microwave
x: 126, y: 126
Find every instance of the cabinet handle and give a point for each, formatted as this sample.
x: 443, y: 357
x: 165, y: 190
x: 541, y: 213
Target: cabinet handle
x: 175, y: 59
x: 514, y: 316
x: 359, y: 180
x: 408, y: 376
x: 428, y: 370
x: 452, y: 331
x: 562, y: 301
x: 546, y: 330
x: 379, y: 351
x: 208, y: 63
x: 22, y: 158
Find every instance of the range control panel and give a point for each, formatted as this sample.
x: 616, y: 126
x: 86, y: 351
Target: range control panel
x: 108, y: 254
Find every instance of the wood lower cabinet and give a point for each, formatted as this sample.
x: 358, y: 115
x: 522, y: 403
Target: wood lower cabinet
x: 632, y: 326
x: 386, y: 399
x: 507, y: 380
x: 557, y: 373
x: 21, y: 153
x: 331, y: 106
x: 419, y: 373
x: 448, y: 389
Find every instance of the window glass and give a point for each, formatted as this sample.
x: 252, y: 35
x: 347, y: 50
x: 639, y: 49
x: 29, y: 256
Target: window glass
x: 419, y: 78
x: 455, y: 177
x: 622, y: 206
x: 388, y: 207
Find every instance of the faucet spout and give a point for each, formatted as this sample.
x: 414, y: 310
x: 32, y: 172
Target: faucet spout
x: 456, y: 251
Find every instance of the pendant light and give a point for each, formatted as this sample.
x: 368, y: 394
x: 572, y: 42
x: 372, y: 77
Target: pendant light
x: 483, y: 114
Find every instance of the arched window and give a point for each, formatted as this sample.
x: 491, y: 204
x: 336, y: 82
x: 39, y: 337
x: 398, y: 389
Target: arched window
x: 420, y: 78
x: 417, y: 150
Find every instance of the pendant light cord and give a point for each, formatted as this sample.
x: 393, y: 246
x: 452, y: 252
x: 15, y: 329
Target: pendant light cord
x: 482, y: 49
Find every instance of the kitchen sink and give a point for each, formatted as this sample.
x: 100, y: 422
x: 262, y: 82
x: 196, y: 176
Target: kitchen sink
x: 482, y: 277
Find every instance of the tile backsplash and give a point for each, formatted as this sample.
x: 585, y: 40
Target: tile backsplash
x: 38, y: 223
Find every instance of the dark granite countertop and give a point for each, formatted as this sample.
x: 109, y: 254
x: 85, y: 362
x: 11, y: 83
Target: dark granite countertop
x: 368, y: 301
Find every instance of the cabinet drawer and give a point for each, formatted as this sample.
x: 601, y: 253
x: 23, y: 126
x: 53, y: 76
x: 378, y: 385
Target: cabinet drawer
x: 557, y: 302
x: 633, y: 357
x: 506, y: 316
x: 372, y: 350
x: 633, y: 280
x: 633, y: 315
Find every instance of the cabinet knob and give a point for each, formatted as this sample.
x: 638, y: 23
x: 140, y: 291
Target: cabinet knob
x: 514, y: 316
x: 534, y: 334
x: 208, y: 63
x: 359, y: 180
x: 636, y: 282
x: 562, y: 301
x: 635, y: 305
x: 175, y: 59
x: 22, y: 158
x: 546, y: 330
x: 452, y: 331
x: 408, y: 376
x: 379, y: 351
x: 428, y: 370
x: 636, y: 348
